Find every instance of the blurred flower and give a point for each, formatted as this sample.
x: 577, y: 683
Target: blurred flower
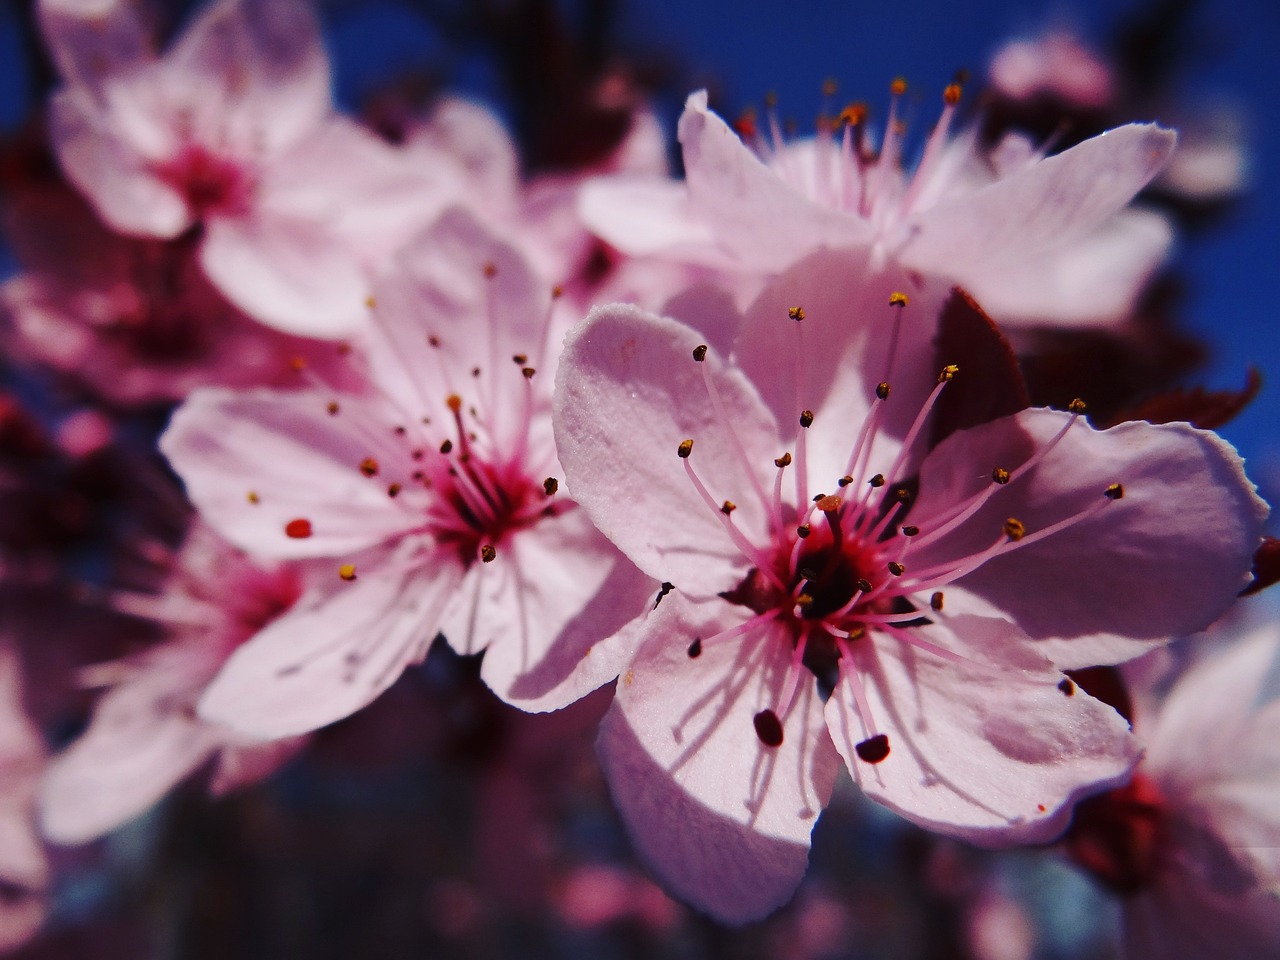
x: 24, y: 869
x: 145, y: 736
x: 1193, y: 843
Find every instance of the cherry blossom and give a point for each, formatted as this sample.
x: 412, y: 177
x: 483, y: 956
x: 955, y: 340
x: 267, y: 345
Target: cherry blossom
x: 1191, y: 843
x: 1037, y: 239
x: 434, y: 495
x: 134, y: 320
x: 145, y: 736
x: 232, y: 129
x: 812, y: 550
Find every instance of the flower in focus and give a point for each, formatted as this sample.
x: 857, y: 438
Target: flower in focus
x: 145, y: 736
x: 837, y: 587
x: 233, y: 129
x: 1193, y: 842
x: 1037, y: 239
x: 434, y: 494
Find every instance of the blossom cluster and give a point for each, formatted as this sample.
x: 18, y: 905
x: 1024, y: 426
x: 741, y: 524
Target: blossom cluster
x: 757, y: 450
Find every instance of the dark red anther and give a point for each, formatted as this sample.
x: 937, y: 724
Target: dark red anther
x: 874, y: 749
x: 768, y: 728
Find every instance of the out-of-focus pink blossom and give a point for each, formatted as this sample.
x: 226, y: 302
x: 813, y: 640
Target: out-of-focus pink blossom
x: 815, y: 557
x: 1057, y: 64
x: 233, y: 129
x: 435, y: 497
x: 134, y: 320
x: 1193, y: 843
x: 1036, y: 239
x: 145, y: 735
x: 24, y: 868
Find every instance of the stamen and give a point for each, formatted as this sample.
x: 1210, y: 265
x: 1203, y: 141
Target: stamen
x: 347, y: 571
x: 723, y: 416
x: 745, y: 547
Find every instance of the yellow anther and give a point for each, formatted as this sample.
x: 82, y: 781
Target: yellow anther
x: 347, y: 571
x: 898, y: 87
x: 1076, y: 406
x: 951, y: 95
x: 1014, y: 529
x: 1114, y: 492
x: 897, y: 299
x: 252, y: 497
x: 948, y: 372
x: 796, y: 313
x: 882, y: 390
x: 728, y: 507
x: 369, y: 467
x: 1000, y: 475
x: 487, y: 553
x: 685, y: 448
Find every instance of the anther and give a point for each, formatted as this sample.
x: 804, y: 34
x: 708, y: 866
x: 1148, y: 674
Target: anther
x: 487, y: 553
x: 332, y: 407
x: 700, y: 352
x: 873, y: 750
x: 1114, y: 492
x: 347, y: 571
x: 728, y: 507
x: 796, y: 313
x: 252, y: 497
x: 446, y: 446
x: 897, y: 299
x: 685, y: 448
x: 852, y: 115
x: 935, y: 601
x: 528, y: 372
x: 550, y: 486
x: 1067, y: 687
x: 695, y: 648
x: 1015, y: 529
x: 369, y: 467
x: 902, y: 495
x: 882, y: 390
x: 845, y: 481
x: 910, y: 531
x: 829, y: 87
x: 768, y: 728
x: 371, y: 302
x: 490, y: 271
x: 863, y: 585
x: 804, y: 601
x: 557, y: 292
x: 806, y: 418
x: 802, y: 531
x: 782, y: 461
x: 1000, y: 475
x: 297, y: 364
x: 896, y: 568
x: 948, y: 372
x: 298, y: 529
x: 877, y: 481
x: 1077, y: 406
x: 433, y: 340
x: 394, y: 490
x: 898, y: 87
x: 951, y: 95
x: 453, y: 402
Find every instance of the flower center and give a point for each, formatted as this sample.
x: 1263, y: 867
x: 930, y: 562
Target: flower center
x: 209, y: 183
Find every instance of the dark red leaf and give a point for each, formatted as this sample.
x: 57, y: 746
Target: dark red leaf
x: 1266, y: 566
x: 1207, y: 409
x: 989, y: 384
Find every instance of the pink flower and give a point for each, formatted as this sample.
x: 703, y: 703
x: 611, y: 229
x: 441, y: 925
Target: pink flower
x: 233, y: 129
x: 135, y: 320
x: 935, y: 595
x: 435, y: 496
x: 24, y: 868
x: 1034, y: 238
x: 1193, y: 843
x: 145, y: 736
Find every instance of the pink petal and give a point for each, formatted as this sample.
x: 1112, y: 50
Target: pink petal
x: 90, y: 40
x: 254, y: 73
x: 643, y: 216
x: 558, y: 614
x: 627, y: 394
x: 244, y: 764
x: 1165, y: 559
x: 334, y: 652
x: 1094, y: 280
x: 735, y: 193
x: 461, y: 300
x: 474, y: 138
x: 260, y: 464
x: 114, y: 176
x: 846, y: 333
x: 989, y: 748
x: 720, y: 818
x: 142, y: 741
x: 1055, y: 202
